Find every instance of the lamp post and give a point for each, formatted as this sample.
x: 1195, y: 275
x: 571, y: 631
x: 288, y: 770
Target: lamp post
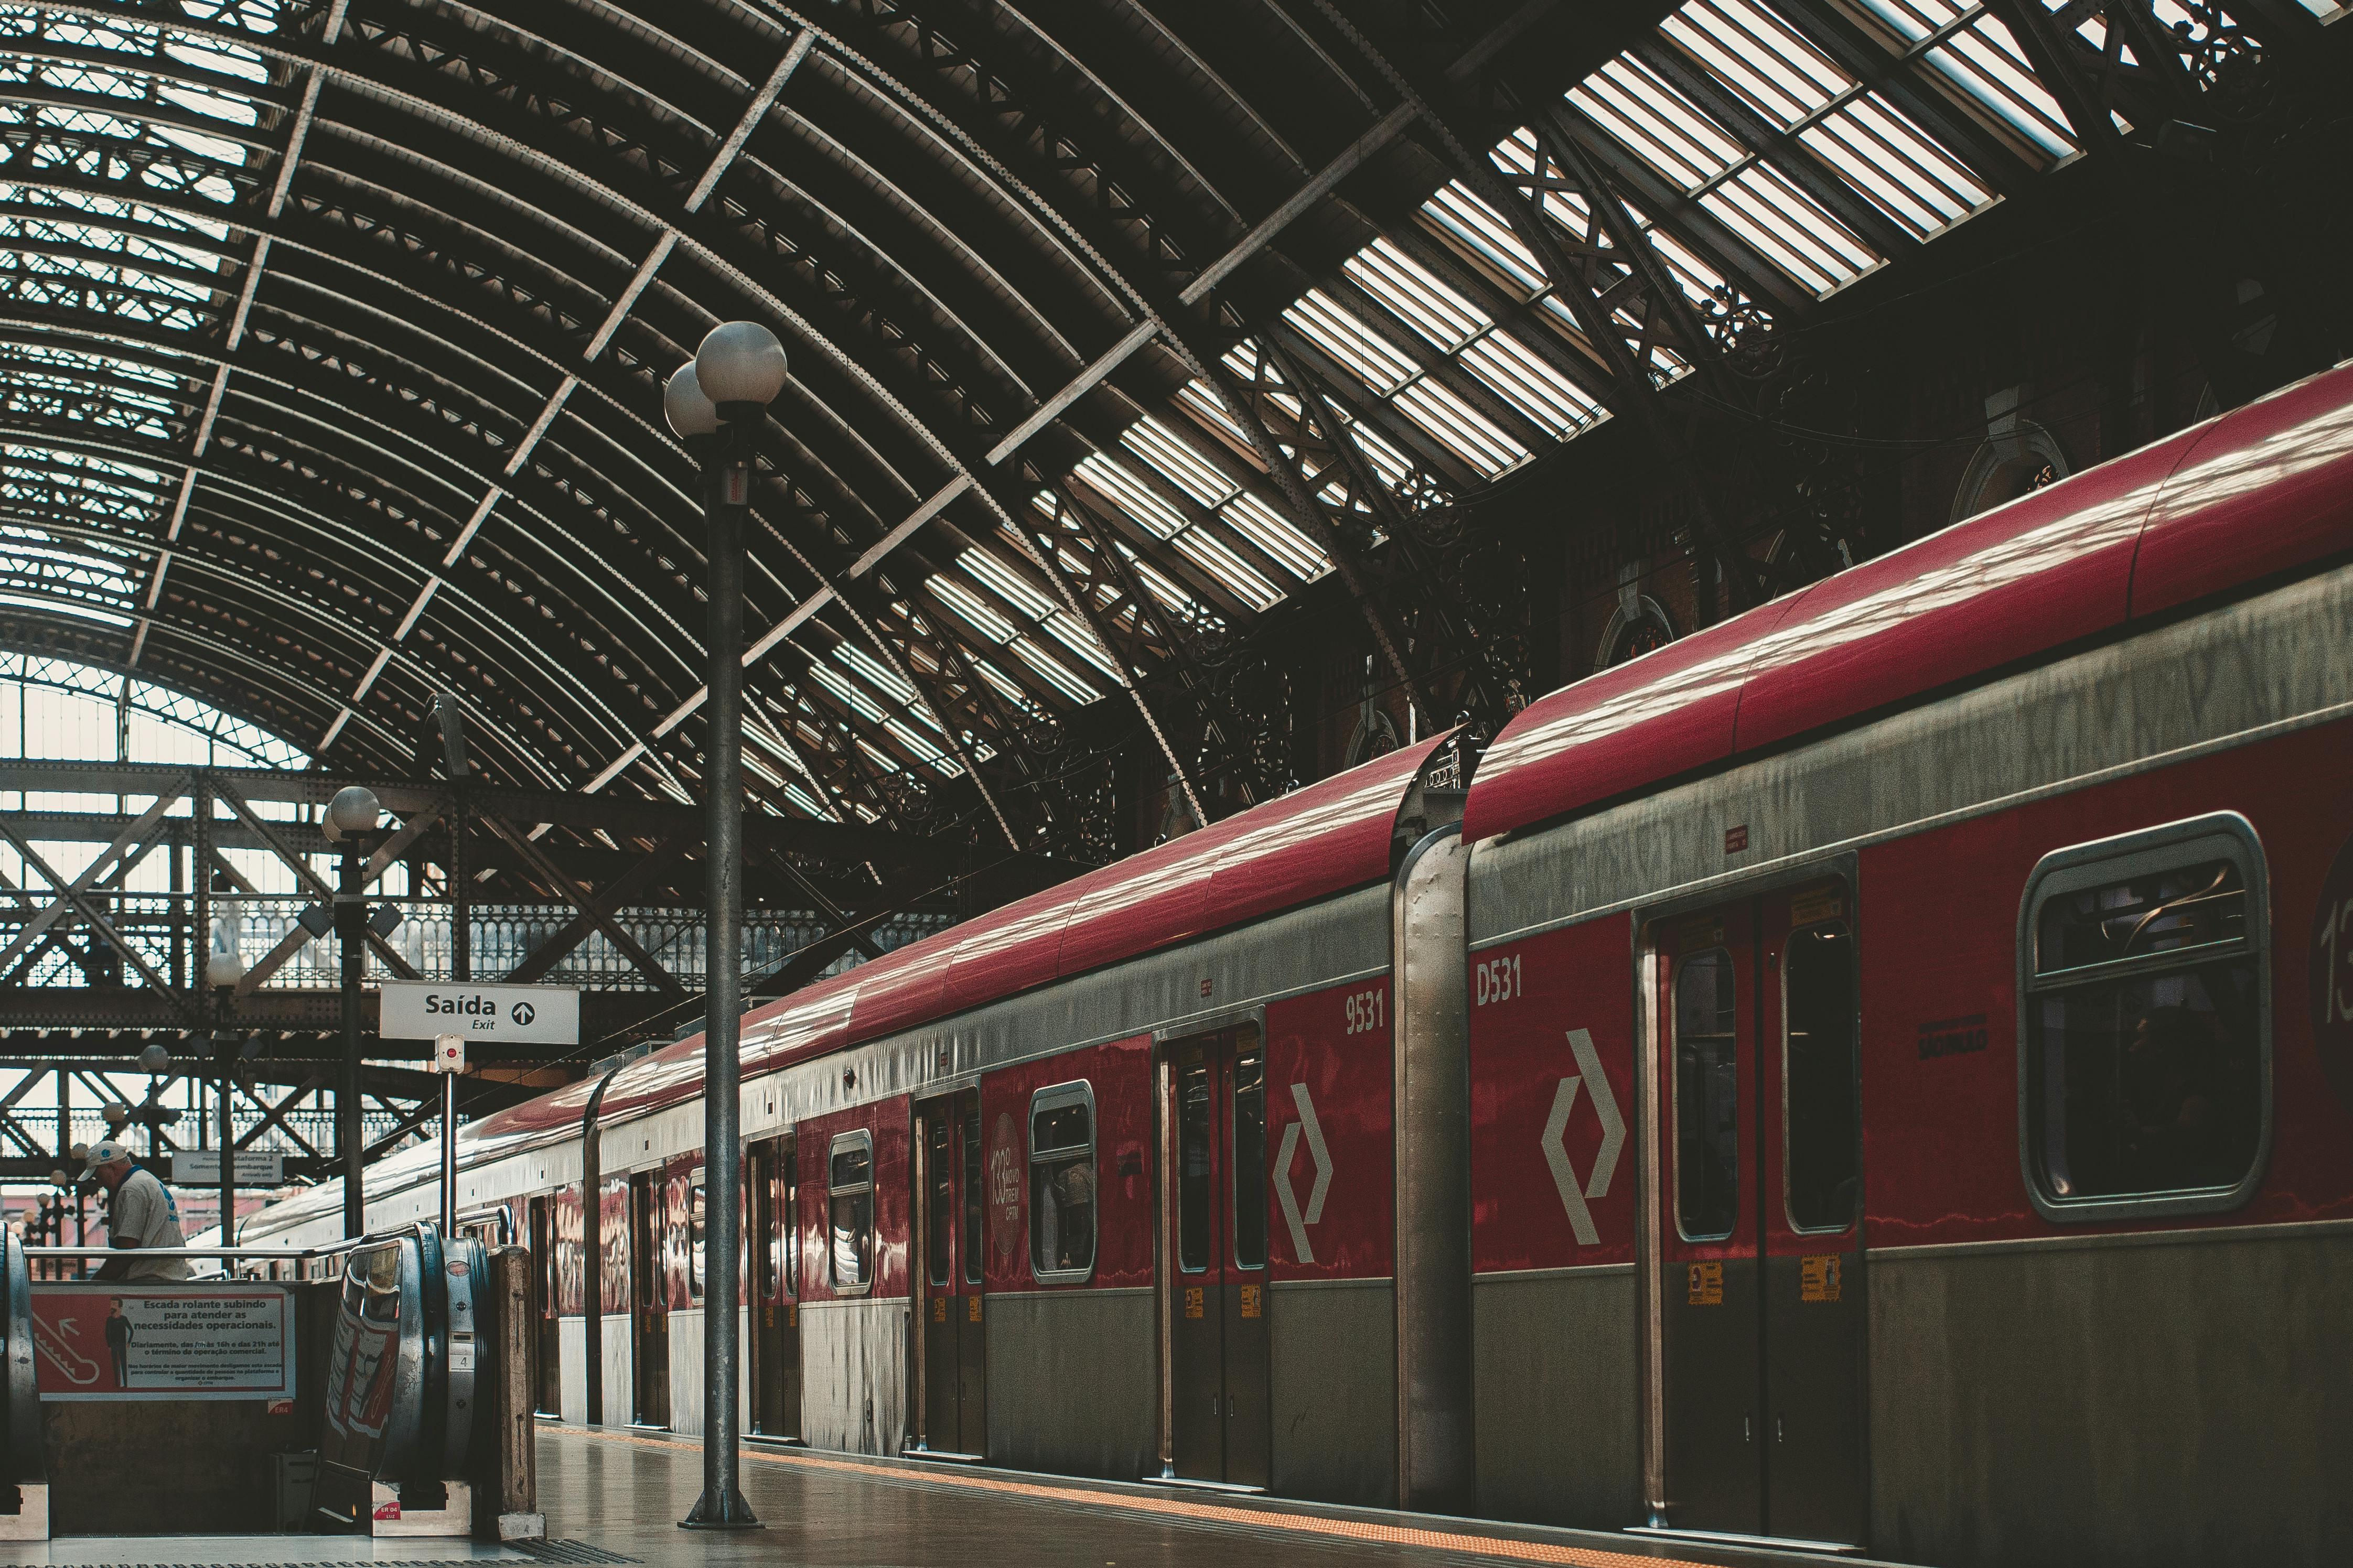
x: 717, y: 405
x: 352, y: 814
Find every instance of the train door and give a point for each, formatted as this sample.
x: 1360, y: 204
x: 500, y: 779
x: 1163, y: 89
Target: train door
x: 948, y: 1201
x: 1759, y: 1306
x: 776, y: 1315
x: 649, y: 1298
x: 1213, y: 1229
x: 547, y: 1347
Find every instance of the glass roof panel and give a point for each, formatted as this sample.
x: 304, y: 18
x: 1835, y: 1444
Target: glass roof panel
x: 1657, y: 123
x: 1976, y: 53
x: 1363, y: 353
x: 1137, y: 499
x: 1277, y: 535
x: 1170, y: 453
x: 1906, y: 175
x: 1759, y: 55
x: 1516, y: 374
x: 1436, y: 408
x: 1419, y: 297
x: 1789, y: 228
x: 1455, y: 214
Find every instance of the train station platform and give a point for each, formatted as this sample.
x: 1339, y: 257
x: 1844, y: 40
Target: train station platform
x: 622, y: 1491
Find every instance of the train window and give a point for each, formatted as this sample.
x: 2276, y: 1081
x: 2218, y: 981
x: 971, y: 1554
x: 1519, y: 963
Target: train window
x: 850, y: 1202
x: 695, y: 1217
x: 792, y: 1223
x: 939, y: 1212
x: 2145, y: 1029
x: 1063, y: 1181
x: 1250, y: 1160
x: 1819, y: 1172
x: 974, y: 1205
x: 1707, y: 1097
x: 1193, y: 1132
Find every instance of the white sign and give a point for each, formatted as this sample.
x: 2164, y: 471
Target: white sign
x: 250, y: 1168
x: 517, y: 1015
x: 164, y: 1341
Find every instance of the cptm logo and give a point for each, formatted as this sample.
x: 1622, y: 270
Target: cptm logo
x: 1573, y: 1193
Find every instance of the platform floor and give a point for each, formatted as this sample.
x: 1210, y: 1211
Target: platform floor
x: 624, y: 1492
x: 617, y: 1496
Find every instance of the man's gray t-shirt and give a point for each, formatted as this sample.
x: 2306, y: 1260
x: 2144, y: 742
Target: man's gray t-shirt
x: 143, y: 1213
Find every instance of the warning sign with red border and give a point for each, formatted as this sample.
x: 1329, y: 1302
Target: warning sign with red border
x: 164, y: 1341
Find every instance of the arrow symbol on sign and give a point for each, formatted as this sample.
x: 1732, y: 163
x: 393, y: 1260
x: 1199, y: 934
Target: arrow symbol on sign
x: 1283, y: 1188
x: 1613, y: 1139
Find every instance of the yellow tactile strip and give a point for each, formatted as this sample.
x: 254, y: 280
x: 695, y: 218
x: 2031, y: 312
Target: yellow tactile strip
x: 1185, y: 1508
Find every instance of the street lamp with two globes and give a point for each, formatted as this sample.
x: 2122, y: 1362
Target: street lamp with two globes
x: 717, y: 404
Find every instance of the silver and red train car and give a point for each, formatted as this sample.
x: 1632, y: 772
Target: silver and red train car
x: 1875, y: 1073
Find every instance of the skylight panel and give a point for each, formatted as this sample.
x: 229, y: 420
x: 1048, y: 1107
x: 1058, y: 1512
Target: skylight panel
x: 968, y: 606
x: 806, y: 801
x: 844, y: 690
x: 1517, y: 375
x: 1074, y: 636
x: 1759, y: 55
x: 1388, y: 463
x: 1211, y: 409
x: 1466, y: 431
x: 1361, y: 352
x: 1789, y: 228
x: 1170, y: 453
x: 1657, y: 123
x: 1213, y: 556
x: 1131, y: 495
x: 1056, y: 673
x: 1008, y: 584
x: 1006, y: 686
x: 1277, y: 535
x: 876, y: 674
x: 1417, y: 296
x: 1158, y: 584
x: 1985, y: 61
x: 64, y: 607
x: 1891, y: 160
x: 1474, y: 227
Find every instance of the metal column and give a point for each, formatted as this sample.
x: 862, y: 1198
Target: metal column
x: 722, y: 1505
x: 350, y: 924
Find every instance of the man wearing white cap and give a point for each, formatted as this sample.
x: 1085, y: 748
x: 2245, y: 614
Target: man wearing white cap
x: 139, y: 1213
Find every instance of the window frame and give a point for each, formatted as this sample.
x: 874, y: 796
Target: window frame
x: 1076, y: 1091
x: 2224, y: 835
x: 1846, y: 926
x: 1675, y: 962
x: 858, y: 1138
x: 1234, y: 1055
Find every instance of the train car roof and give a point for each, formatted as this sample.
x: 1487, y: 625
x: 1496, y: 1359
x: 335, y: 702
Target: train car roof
x: 2264, y: 489
x: 1324, y: 838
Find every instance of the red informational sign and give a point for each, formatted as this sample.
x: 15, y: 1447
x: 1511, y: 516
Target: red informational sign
x: 164, y: 1341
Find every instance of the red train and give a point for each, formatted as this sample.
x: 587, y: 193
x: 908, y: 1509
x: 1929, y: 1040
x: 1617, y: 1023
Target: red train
x: 1876, y: 1074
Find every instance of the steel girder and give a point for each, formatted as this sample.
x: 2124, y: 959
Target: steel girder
x: 463, y: 252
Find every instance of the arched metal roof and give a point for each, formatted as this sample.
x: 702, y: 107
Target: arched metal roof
x: 333, y: 335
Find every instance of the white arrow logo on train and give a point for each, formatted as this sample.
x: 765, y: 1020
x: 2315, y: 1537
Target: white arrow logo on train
x: 1605, y: 1159
x: 1282, y: 1190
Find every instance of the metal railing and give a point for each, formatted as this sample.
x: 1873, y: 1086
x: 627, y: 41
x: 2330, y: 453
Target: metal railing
x: 501, y: 938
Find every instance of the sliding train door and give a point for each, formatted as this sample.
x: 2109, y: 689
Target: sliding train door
x: 776, y: 1339
x: 649, y: 1297
x: 1213, y: 1226
x: 1758, y: 1303
x: 547, y: 1346
x: 953, y: 1367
